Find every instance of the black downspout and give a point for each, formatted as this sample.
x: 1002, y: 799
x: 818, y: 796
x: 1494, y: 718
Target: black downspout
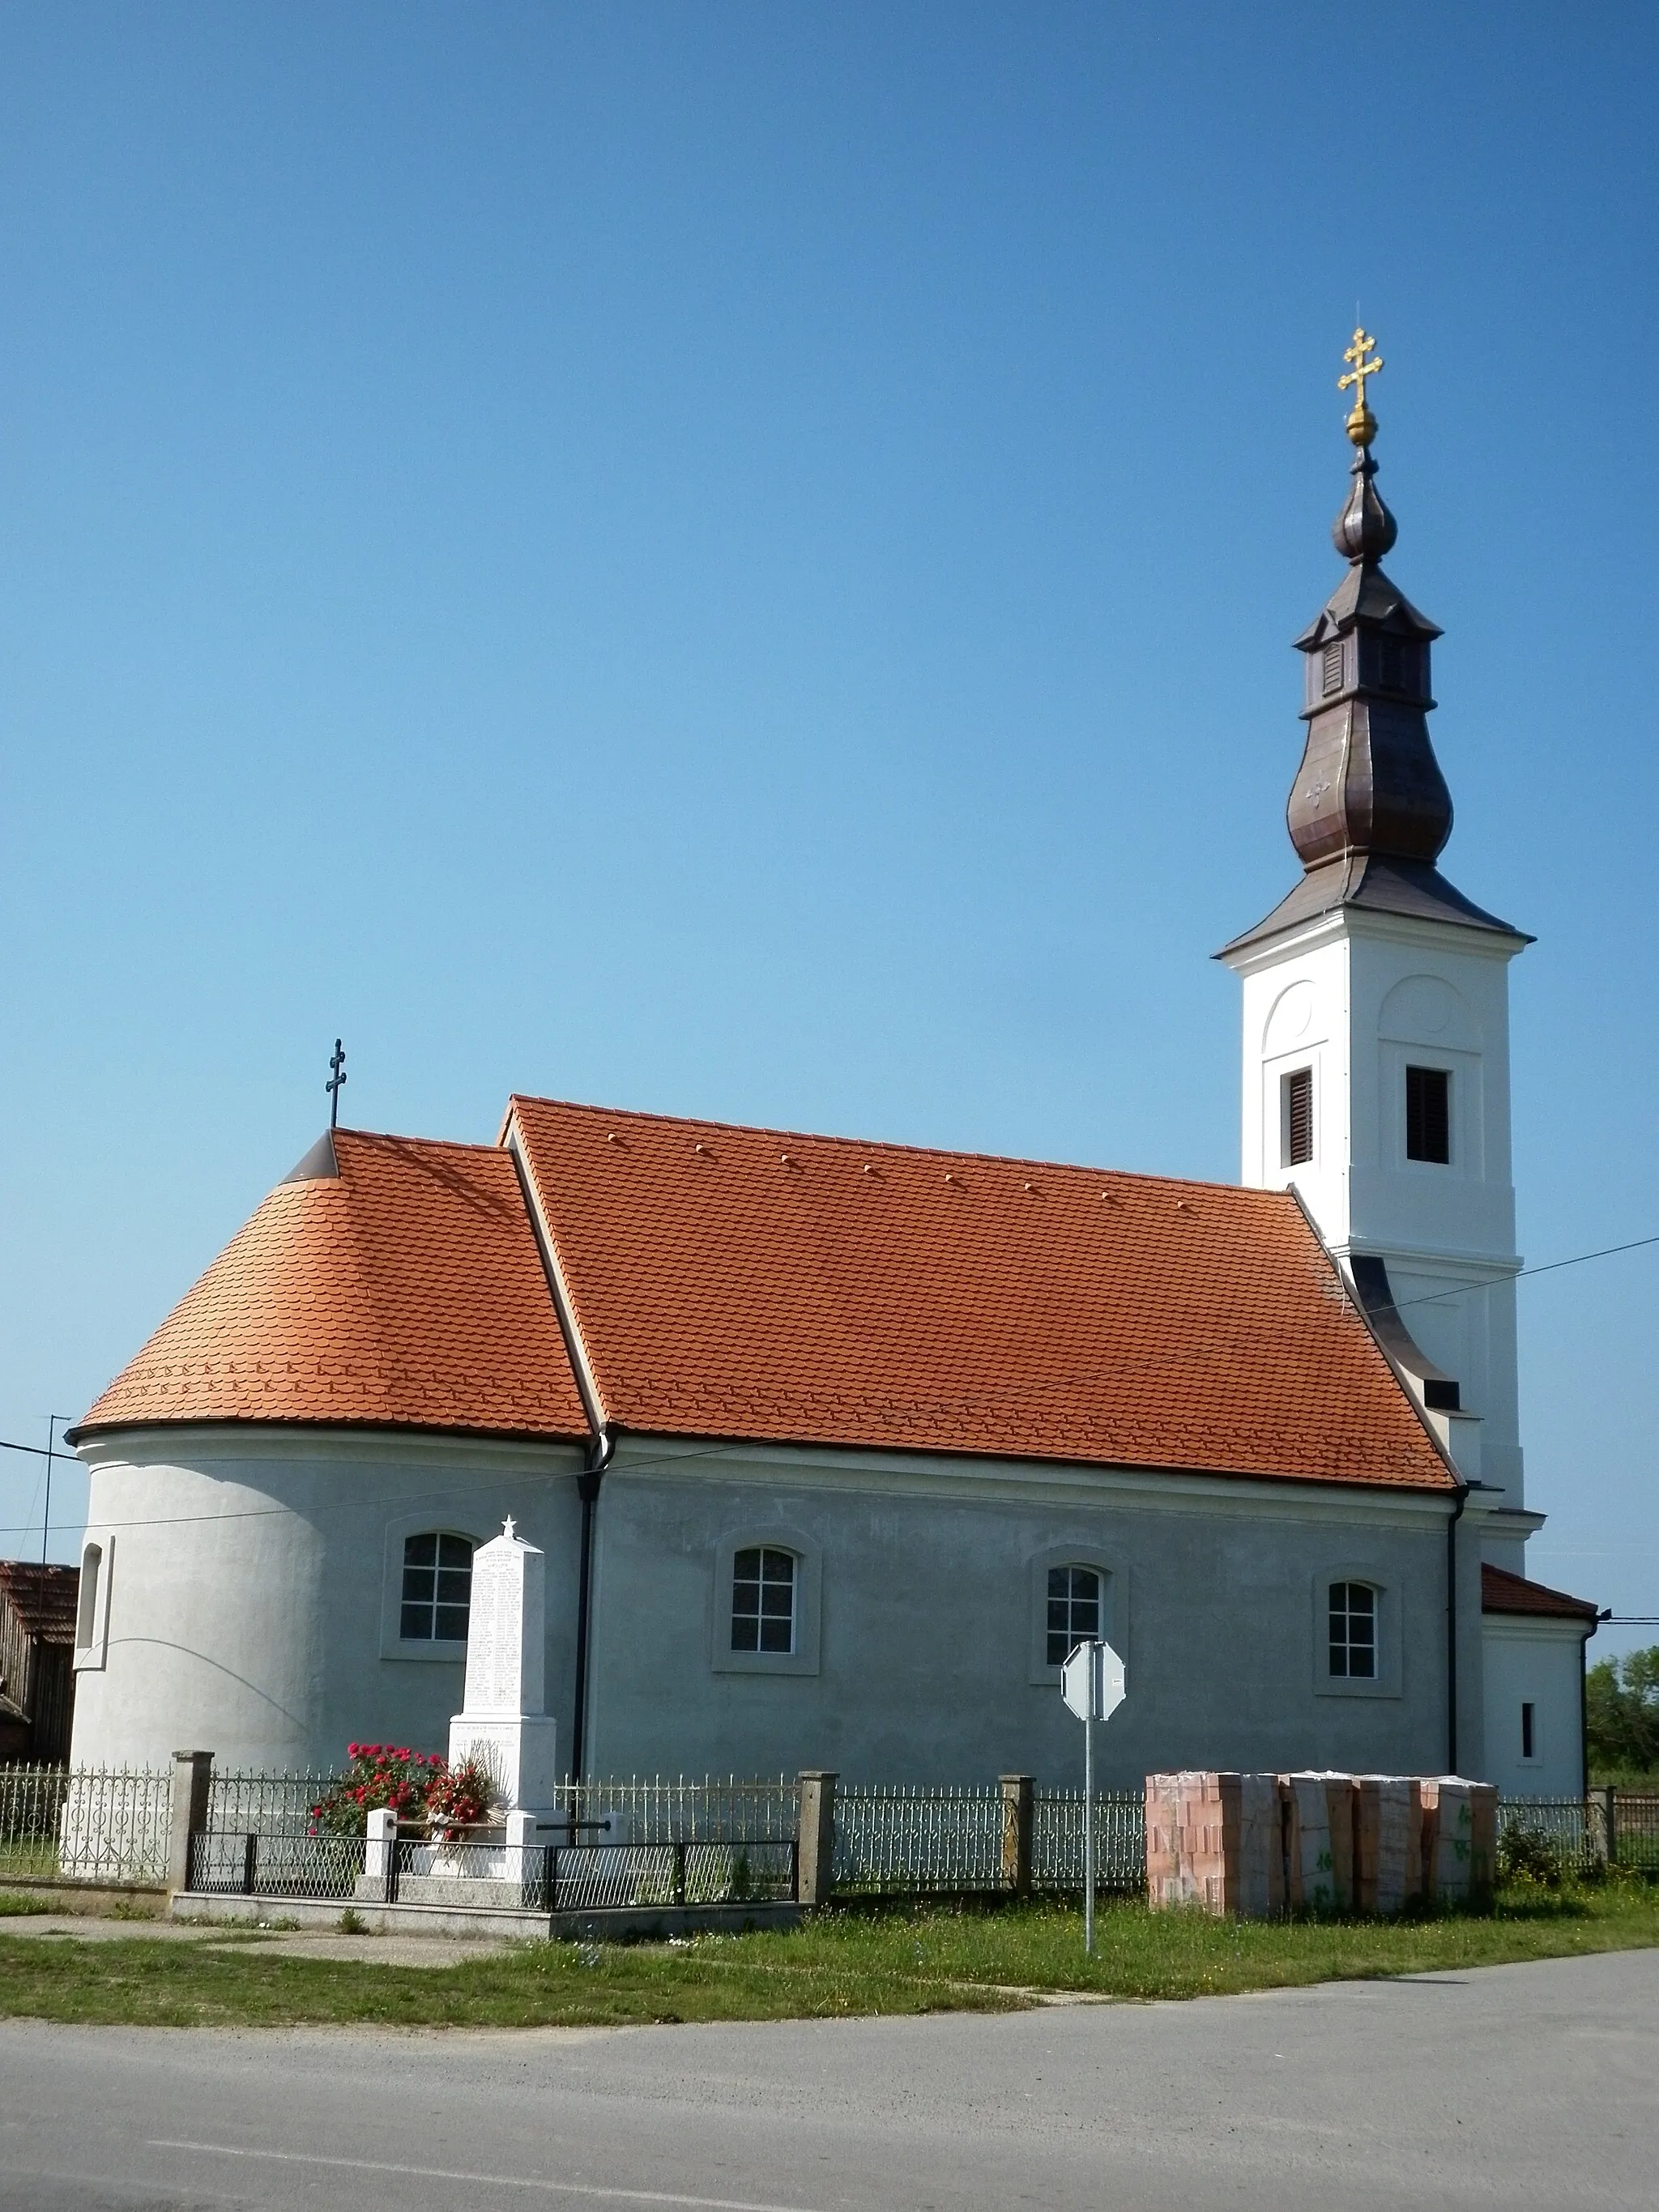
x: 1451, y: 1627
x: 588, y: 1486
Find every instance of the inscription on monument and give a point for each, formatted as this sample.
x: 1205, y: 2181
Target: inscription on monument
x: 495, y: 1646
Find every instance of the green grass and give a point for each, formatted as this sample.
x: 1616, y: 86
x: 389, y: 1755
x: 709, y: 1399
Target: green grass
x: 13, y: 1901
x: 842, y: 1964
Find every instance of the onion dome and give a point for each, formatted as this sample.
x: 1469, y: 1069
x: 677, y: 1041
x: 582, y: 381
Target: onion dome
x: 1370, y: 812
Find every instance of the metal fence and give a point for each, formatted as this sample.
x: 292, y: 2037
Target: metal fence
x: 650, y: 1840
x: 1635, y: 1829
x: 925, y: 1842
x: 680, y: 1809
x: 918, y: 1840
x: 1120, y: 1841
x: 272, y: 1804
x: 84, y: 1824
x: 255, y: 1864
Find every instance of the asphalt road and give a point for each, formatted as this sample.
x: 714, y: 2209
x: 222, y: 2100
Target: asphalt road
x: 1513, y: 2087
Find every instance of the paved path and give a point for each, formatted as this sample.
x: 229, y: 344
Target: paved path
x: 1515, y: 2087
x: 301, y: 1943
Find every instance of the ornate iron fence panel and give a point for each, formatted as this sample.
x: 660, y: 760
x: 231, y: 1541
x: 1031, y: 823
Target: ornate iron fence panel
x: 920, y: 1840
x: 1570, y: 1827
x: 1120, y: 1841
x: 664, y: 1810
x: 268, y: 1804
x: 1635, y: 1829
x: 85, y: 1824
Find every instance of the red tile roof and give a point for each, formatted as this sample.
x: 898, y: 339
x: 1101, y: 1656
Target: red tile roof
x: 42, y: 1597
x: 406, y: 1291
x: 1503, y: 1592
x: 745, y: 1283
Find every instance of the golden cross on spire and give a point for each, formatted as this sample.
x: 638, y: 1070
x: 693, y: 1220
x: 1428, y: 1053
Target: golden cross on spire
x: 1361, y: 425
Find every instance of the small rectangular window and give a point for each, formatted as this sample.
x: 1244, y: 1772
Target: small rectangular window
x: 1428, y: 1115
x: 1353, y: 1632
x: 763, y: 1600
x: 1298, y: 1117
x: 1073, y: 1611
x: 437, y: 1591
x: 1528, y: 1739
x: 1331, y: 670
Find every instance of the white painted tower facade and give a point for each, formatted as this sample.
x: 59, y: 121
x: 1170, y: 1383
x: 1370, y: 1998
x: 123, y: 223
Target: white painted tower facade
x: 1348, y: 1002
x: 1376, y: 1084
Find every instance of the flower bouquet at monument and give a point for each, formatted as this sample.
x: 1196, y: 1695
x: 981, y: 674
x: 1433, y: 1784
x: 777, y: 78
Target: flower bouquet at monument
x: 459, y: 1799
x: 378, y: 1776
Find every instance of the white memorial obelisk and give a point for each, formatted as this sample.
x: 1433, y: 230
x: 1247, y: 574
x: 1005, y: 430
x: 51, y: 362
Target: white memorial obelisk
x: 502, y: 1723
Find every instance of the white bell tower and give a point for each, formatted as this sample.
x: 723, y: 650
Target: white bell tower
x: 1375, y: 1046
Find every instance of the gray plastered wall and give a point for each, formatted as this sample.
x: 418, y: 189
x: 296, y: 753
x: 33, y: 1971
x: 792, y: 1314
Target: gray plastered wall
x: 924, y: 1633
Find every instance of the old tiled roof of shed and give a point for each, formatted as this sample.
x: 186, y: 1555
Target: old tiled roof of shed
x: 42, y: 1597
x: 738, y: 1282
x: 1503, y: 1592
x: 388, y: 1281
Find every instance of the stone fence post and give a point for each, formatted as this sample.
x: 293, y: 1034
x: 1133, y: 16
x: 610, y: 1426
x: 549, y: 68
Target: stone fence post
x: 815, y: 1849
x: 1602, y: 1824
x: 192, y: 1778
x: 1018, y: 1803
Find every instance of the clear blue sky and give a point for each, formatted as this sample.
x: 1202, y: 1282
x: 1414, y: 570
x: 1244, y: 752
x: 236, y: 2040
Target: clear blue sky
x: 740, y: 559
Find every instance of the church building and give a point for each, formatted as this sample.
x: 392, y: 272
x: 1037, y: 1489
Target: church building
x: 836, y: 1448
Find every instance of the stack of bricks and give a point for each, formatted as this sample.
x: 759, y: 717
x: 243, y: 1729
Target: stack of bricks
x: 1258, y: 1845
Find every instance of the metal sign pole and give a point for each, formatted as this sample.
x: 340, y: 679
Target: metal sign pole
x: 1091, y: 1683
x: 1089, y: 1836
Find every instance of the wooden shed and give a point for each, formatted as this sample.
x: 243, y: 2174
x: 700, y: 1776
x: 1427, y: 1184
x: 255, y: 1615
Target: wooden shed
x: 37, y: 1652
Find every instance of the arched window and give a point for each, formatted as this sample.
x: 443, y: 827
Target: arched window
x: 1353, y: 1632
x: 85, y: 1610
x: 437, y: 1588
x: 1073, y: 1611
x: 763, y: 1599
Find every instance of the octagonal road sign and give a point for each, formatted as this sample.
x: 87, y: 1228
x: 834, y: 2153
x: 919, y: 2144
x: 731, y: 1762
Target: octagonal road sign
x: 1091, y: 1682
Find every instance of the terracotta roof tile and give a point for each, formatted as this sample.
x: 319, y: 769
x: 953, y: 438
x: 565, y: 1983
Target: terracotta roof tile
x: 749, y: 1283
x: 42, y: 1597
x: 406, y: 1291
x: 1503, y: 1592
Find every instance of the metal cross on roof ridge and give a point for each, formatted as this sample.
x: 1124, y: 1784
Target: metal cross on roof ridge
x: 1364, y: 343
x: 336, y: 1078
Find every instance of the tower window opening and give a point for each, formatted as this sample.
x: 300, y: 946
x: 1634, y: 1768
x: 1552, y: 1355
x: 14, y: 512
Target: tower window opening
x: 1330, y: 679
x: 1428, y: 1115
x: 1528, y: 1732
x: 1298, y: 1117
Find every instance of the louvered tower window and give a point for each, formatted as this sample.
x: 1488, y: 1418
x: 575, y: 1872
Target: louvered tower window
x: 1331, y: 670
x: 1298, y: 1117
x: 1428, y: 1115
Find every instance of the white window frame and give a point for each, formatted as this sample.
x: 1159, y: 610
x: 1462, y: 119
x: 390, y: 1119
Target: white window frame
x: 1385, y: 1682
x: 1114, y: 1603
x: 775, y: 1536
x: 94, y: 1652
x: 477, y: 1529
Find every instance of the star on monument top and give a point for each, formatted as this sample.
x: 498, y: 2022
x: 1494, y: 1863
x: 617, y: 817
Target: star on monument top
x: 506, y: 1529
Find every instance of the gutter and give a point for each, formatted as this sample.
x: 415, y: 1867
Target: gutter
x: 1463, y: 1489
x: 599, y: 1449
x: 601, y: 1442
